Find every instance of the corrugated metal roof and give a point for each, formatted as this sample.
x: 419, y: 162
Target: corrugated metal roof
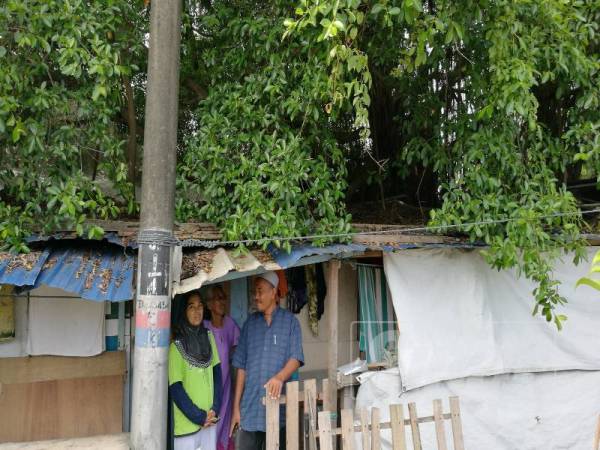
x: 207, y: 266
x: 125, y: 234
x: 21, y: 269
x: 94, y: 273
x: 299, y: 251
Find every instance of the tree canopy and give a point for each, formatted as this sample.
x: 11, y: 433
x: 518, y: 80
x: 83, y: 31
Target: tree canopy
x: 481, y: 113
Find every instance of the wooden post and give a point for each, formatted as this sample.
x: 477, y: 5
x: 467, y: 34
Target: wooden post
x: 397, y: 424
x: 310, y: 410
x: 364, y: 429
x: 332, y: 313
x: 272, y: 434
x: 292, y: 432
x: 325, y: 435
x: 457, y: 435
x: 440, y: 432
x: 414, y: 426
x: 347, y: 429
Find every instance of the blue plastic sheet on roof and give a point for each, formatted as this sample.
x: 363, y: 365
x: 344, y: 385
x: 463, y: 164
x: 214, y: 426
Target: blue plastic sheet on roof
x: 98, y: 274
x: 299, y: 251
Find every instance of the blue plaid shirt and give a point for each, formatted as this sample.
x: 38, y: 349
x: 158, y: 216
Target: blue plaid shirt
x: 262, y: 351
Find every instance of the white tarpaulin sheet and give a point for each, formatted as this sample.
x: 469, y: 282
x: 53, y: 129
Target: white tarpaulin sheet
x: 67, y: 326
x: 459, y: 318
x: 526, y: 411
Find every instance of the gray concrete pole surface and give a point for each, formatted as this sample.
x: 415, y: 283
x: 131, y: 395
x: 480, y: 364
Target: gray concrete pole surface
x: 153, y: 295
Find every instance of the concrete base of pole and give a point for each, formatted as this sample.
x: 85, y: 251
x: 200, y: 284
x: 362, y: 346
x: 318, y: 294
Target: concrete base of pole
x: 148, y: 429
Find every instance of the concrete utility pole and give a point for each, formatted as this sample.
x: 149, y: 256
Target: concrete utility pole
x: 153, y: 297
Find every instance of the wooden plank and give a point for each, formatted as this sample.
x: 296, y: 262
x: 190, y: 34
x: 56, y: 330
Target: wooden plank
x: 329, y: 395
x: 457, y: 435
x: 310, y: 411
x: 292, y: 416
x: 597, y: 435
x: 61, y: 409
x: 397, y: 425
x: 32, y: 369
x: 272, y: 435
x: 330, y: 403
x: 375, y: 430
x: 440, y: 432
x: 414, y: 426
x: 364, y: 429
x: 347, y: 429
x: 325, y: 435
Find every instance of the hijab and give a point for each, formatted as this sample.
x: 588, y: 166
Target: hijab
x: 192, y: 341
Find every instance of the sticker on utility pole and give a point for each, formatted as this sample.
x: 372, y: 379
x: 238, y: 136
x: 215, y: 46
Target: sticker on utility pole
x: 154, y: 270
x: 152, y: 321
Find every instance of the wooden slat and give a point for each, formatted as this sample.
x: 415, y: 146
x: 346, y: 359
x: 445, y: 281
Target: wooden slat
x: 364, y: 429
x: 347, y: 429
x: 33, y: 369
x: 375, y: 430
x: 414, y: 426
x: 457, y: 435
x: 310, y: 409
x: 440, y: 432
x: 325, y: 435
x: 397, y: 425
x: 272, y: 434
x: 292, y: 416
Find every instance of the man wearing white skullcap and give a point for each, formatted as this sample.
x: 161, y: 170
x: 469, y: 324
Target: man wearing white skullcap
x: 268, y: 353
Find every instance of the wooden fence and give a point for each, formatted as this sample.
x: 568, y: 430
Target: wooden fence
x: 322, y: 427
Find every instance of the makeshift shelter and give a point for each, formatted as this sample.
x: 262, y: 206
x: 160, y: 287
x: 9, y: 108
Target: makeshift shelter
x: 439, y: 347
x: 467, y: 330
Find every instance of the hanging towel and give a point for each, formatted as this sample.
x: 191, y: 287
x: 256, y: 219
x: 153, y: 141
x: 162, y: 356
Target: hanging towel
x: 65, y: 326
x: 378, y: 331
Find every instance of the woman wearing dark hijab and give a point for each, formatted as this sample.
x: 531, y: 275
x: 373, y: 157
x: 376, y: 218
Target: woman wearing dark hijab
x: 194, y: 380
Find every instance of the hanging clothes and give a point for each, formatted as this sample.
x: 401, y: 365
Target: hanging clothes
x: 316, y: 293
x: 282, y: 287
x: 311, y: 293
x: 378, y: 328
x: 297, y: 296
x: 321, y: 290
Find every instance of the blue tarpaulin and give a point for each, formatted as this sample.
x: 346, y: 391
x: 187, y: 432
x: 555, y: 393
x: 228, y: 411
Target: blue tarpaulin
x: 94, y: 273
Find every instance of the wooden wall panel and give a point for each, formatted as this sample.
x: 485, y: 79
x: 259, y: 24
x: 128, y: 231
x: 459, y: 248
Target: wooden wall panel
x: 91, y: 404
x: 77, y: 407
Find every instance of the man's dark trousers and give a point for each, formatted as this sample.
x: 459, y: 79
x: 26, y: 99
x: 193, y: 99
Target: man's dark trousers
x: 256, y: 440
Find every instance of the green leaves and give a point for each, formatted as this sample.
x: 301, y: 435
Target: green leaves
x: 590, y: 280
x: 60, y: 114
x: 475, y: 96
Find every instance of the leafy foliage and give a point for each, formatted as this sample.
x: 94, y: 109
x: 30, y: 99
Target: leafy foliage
x: 61, y: 66
x: 483, y: 112
x: 263, y: 157
x: 497, y: 99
